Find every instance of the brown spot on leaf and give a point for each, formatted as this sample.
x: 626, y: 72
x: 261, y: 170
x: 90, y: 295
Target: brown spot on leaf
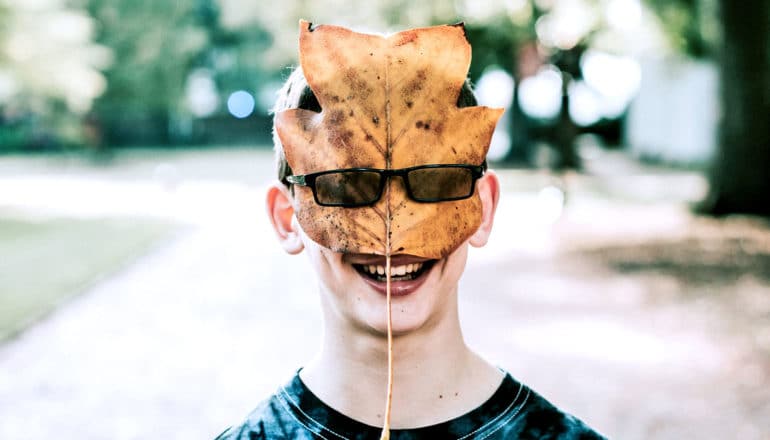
x: 340, y: 138
x: 358, y: 86
x: 336, y: 117
x: 413, y: 87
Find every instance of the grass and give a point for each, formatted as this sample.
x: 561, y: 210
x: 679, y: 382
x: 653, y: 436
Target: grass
x: 45, y: 262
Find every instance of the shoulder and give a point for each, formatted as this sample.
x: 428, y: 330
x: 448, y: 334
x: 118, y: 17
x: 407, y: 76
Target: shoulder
x: 253, y: 427
x: 269, y: 420
x: 528, y: 415
x: 540, y: 419
x: 276, y: 418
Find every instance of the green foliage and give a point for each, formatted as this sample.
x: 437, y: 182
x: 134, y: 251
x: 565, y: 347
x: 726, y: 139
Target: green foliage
x: 692, y: 26
x: 155, y: 44
x: 49, y: 73
x: 234, y: 57
x: 496, y: 43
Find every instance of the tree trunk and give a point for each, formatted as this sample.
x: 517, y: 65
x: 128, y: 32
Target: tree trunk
x: 565, y: 132
x: 519, y: 131
x: 740, y: 174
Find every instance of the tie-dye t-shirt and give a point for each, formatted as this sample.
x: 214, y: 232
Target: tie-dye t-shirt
x: 513, y: 412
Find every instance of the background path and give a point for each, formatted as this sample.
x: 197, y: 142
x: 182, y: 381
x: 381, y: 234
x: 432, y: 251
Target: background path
x: 576, y: 303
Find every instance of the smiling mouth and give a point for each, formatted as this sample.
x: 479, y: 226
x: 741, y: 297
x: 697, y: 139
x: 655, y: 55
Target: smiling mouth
x: 404, y: 272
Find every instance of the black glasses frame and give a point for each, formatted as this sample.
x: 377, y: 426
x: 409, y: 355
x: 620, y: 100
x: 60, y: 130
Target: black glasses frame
x: 309, y: 180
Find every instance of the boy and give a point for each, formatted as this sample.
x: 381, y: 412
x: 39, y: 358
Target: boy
x: 381, y: 152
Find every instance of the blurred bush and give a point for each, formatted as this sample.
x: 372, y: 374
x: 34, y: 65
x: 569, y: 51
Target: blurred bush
x: 50, y: 73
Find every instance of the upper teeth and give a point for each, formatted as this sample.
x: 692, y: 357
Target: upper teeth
x: 394, y: 270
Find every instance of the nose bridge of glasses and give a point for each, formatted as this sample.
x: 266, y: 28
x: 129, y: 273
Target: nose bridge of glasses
x: 396, y: 191
x: 388, y: 174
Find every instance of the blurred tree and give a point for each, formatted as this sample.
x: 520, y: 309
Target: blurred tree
x: 509, y: 39
x: 740, y: 176
x: 155, y: 45
x: 737, y: 34
x: 234, y: 62
x: 506, y: 42
x: 692, y: 26
x: 49, y: 73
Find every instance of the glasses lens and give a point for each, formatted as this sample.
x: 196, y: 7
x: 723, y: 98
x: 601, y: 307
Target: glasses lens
x: 348, y: 188
x: 440, y: 183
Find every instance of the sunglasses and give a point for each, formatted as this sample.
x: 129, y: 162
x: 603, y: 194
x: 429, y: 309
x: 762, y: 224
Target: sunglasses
x: 354, y: 187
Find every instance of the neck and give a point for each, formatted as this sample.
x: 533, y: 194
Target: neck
x: 436, y: 376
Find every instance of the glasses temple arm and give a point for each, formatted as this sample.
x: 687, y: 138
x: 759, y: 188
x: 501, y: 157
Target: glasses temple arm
x: 296, y: 180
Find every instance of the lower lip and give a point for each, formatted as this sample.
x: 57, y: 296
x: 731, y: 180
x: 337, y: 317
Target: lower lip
x: 398, y: 288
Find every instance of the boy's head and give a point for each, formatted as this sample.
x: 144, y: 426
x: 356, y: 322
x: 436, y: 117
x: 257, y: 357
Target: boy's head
x: 381, y: 150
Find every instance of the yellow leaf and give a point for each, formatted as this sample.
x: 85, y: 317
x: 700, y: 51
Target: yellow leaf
x: 391, y: 103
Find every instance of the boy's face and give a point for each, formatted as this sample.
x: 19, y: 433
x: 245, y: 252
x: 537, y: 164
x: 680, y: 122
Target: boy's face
x: 356, y: 298
x: 387, y: 104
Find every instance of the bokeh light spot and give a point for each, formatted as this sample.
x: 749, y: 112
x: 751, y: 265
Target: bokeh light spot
x: 624, y: 14
x: 201, y: 93
x: 240, y: 104
x: 540, y: 95
x: 495, y: 88
x: 616, y: 78
x: 584, y: 106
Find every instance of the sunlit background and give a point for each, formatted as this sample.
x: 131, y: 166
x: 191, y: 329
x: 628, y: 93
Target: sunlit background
x: 142, y: 293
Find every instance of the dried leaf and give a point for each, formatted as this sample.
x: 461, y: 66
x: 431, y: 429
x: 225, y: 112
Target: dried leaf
x: 387, y: 102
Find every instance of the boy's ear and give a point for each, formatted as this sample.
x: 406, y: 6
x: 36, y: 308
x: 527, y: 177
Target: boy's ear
x: 281, y: 212
x: 489, y: 191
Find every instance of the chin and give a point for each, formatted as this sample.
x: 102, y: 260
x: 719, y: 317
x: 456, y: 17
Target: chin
x: 409, y: 315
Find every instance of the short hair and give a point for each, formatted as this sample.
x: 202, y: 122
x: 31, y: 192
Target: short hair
x: 296, y: 93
